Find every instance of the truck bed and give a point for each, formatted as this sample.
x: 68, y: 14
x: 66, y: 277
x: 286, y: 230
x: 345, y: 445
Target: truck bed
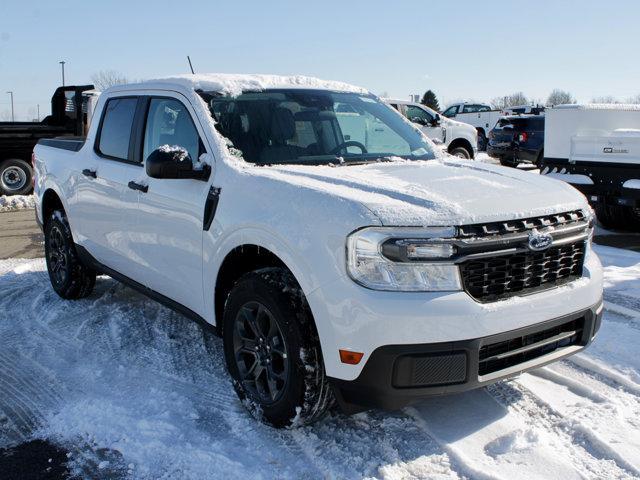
x: 73, y: 144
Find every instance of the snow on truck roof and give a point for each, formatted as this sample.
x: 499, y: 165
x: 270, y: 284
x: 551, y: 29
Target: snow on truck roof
x: 235, y: 84
x: 599, y: 106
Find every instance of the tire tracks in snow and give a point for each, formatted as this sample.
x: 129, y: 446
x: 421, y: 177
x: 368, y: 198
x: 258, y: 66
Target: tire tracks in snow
x: 590, y: 455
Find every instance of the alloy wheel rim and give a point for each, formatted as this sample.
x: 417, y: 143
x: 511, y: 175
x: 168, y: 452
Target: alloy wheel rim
x: 260, y: 353
x: 57, y: 256
x: 13, y: 179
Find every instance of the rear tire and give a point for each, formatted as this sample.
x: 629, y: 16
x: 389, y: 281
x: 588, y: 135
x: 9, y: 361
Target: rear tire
x: 273, y: 351
x: 460, y: 152
x: 15, y: 177
x: 508, y: 163
x: 482, y: 141
x: 70, y: 278
x: 618, y: 218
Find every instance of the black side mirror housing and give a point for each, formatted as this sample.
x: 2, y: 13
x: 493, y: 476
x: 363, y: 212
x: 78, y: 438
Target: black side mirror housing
x: 174, y: 162
x: 436, y: 121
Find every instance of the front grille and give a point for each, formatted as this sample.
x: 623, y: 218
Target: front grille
x: 507, y: 353
x: 493, y: 278
x: 480, y: 230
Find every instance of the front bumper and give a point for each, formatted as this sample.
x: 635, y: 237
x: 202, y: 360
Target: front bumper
x: 397, y: 375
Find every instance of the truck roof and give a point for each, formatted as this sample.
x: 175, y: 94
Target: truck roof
x: 599, y: 106
x: 235, y: 84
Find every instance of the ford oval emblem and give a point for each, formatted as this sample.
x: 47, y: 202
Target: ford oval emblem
x: 539, y: 241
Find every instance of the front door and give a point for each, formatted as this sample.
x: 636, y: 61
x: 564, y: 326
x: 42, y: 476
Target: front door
x: 169, y: 228
x: 424, y: 120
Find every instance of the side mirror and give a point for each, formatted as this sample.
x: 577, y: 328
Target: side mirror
x: 436, y: 121
x: 174, y: 162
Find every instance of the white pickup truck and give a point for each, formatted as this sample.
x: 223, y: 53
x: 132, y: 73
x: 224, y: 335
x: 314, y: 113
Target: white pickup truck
x: 482, y: 117
x: 459, y: 139
x: 369, y: 270
x: 596, y: 148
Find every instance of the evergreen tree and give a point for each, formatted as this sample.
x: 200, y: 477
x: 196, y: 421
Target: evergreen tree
x: 429, y: 99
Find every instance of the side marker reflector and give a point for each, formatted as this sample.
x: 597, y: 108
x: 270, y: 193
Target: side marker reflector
x: 351, y: 358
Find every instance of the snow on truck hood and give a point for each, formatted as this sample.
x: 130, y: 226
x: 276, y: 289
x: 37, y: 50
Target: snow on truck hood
x: 436, y: 192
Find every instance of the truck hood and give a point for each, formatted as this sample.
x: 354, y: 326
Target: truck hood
x: 437, y: 192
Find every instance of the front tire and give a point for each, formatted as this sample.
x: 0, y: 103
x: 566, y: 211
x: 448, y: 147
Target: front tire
x: 15, y: 177
x: 69, y: 277
x: 273, y: 351
x: 460, y: 152
x: 618, y: 217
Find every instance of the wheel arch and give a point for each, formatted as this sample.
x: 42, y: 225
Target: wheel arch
x: 51, y: 200
x: 238, y: 261
x: 461, y: 142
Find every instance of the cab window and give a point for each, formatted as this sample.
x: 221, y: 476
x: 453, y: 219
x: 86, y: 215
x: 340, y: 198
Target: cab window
x: 418, y: 115
x: 115, y: 129
x: 451, y: 111
x: 169, y: 123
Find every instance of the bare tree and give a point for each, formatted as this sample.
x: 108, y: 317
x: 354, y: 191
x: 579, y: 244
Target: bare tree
x: 559, y: 97
x: 635, y: 99
x: 108, y: 78
x: 605, y: 99
x: 517, y: 98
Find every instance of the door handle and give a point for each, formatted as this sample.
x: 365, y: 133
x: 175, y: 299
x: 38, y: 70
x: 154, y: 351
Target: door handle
x: 138, y: 186
x: 89, y: 173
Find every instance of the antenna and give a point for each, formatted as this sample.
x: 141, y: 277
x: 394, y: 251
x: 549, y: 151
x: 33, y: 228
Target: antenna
x: 190, y: 65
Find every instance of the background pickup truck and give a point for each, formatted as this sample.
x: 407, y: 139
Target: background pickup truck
x: 480, y: 116
x: 69, y: 116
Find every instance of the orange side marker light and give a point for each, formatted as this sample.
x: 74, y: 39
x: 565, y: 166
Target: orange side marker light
x: 351, y: 358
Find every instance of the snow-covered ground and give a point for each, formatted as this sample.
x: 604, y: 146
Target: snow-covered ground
x: 132, y: 389
x: 16, y: 202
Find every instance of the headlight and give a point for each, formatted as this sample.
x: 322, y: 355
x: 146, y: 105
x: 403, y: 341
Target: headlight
x: 407, y: 260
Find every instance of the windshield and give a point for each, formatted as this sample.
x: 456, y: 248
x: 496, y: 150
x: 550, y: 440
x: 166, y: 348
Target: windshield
x: 315, y: 127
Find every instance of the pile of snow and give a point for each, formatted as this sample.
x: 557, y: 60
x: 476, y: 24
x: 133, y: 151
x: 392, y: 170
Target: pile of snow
x: 235, y: 84
x: 132, y: 389
x: 10, y: 203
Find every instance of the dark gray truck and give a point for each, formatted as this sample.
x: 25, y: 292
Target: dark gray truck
x: 69, y: 117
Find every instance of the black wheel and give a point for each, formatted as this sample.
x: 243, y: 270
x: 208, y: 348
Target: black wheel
x: 482, y: 141
x: 618, y: 217
x: 460, y: 152
x: 70, y: 278
x: 272, y: 350
x: 508, y: 163
x: 15, y: 177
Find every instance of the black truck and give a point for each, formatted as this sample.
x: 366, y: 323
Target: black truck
x: 69, y: 117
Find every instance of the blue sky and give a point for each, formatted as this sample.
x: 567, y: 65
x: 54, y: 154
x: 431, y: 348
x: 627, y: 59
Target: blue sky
x: 460, y: 49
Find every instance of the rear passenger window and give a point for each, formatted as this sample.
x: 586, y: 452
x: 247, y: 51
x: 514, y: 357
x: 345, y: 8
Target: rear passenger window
x: 115, y: 131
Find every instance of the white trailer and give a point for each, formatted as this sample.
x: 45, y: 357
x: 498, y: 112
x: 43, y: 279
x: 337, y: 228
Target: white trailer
x: 596, y: 148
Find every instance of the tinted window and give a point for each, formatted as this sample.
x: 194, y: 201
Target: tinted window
x: 484, y: 108
x: 525, y: 124
x: 471, y: 108
x: 169, y: 123
x: 418, y: 115
x: 451, y: 111
x: 115, y: 132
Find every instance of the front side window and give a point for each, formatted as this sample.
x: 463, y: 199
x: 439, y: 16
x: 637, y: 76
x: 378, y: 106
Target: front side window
x: 115, y: 131
x: 451, y: 111
x: 418, y: 115
x: 169, y: 123
x: 315, y: 127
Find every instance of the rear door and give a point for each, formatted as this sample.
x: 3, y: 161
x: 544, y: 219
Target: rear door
x: 169, y: 228
x: 105, y: 208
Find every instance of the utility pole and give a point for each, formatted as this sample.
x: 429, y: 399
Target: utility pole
x: 38, y: 112
x: 62, y: 63
x: 12, y: 117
